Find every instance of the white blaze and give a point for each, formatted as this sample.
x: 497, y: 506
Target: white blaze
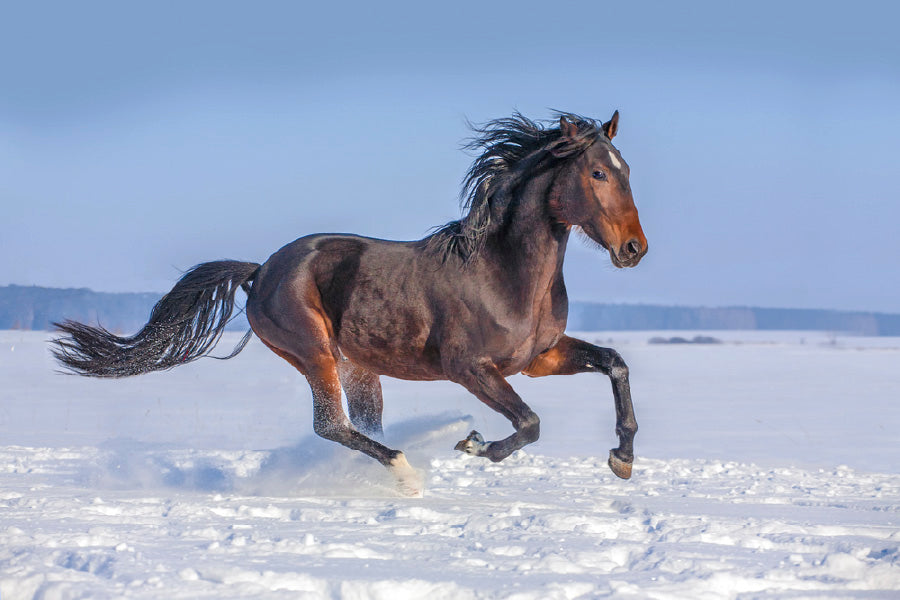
x: 615, y: 161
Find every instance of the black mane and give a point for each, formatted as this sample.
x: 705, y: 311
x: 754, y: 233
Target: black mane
x: 510, y: 149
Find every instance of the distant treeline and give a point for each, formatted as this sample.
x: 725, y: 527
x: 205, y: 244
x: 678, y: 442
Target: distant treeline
x: 587, y: 316
x: 34, y: 307
x: 24, y: 307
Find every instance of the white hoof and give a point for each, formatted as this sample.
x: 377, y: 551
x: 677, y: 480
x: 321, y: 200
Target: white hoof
x: 409, y: 482
x: 474, y: 444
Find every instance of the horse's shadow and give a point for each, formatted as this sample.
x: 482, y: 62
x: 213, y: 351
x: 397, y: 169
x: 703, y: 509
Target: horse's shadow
x: 311, y: 467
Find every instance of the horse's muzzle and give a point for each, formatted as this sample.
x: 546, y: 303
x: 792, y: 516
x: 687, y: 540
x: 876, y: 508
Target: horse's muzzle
x: 629, y: 254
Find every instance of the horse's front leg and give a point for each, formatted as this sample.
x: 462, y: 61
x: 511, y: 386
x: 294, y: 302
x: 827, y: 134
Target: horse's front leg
x: 570, y: 356
x: 483, y: 379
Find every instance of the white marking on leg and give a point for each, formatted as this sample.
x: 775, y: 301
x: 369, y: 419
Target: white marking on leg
x: 409, y: 481
x: 474, y: 444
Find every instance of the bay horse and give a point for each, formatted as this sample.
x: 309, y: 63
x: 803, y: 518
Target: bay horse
x: 478, y: 300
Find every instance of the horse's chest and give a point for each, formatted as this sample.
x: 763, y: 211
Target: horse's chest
x: 531, y: 337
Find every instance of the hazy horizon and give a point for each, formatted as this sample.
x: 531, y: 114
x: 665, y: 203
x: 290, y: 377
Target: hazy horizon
x: 136, y: 142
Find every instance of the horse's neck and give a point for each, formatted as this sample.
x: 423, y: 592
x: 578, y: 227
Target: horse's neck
x: 530, y: 246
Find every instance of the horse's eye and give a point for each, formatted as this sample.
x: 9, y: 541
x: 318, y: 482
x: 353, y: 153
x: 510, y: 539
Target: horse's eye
x: 599, y: 175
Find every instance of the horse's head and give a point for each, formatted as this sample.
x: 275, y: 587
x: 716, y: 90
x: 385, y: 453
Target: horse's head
x: 592, y: 192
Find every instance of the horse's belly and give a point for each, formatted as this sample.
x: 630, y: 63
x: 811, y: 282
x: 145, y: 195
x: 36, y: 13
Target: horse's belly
x: 393, y: 363
x: 396, y: 345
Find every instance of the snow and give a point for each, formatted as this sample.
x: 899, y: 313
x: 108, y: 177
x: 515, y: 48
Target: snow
x: 767, y: 467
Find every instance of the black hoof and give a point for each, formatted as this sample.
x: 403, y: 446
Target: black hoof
x: 618, y: 466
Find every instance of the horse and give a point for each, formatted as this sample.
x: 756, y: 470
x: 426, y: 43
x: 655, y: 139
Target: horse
x: 479, y: 299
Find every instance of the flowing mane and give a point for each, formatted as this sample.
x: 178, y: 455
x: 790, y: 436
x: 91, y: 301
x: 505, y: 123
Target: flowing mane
x: 510, y: 148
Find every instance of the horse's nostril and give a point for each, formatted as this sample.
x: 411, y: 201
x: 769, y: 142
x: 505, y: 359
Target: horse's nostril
x: 631, y: 248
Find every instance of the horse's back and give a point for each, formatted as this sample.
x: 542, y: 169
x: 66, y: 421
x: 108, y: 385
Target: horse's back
x: 368, y: 294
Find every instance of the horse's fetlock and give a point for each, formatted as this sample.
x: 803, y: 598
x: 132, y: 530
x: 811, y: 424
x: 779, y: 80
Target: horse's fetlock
x: 396, y: 459
x: 530, y: 427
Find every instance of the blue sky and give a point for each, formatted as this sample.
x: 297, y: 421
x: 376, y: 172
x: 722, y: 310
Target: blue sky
x: 763, y: 137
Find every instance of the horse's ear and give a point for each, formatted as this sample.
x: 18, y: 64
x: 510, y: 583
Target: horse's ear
x: 611, y: 127
x: 567, y: 128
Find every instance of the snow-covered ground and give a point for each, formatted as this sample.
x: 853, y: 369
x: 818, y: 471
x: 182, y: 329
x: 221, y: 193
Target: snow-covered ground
x: 767, y: 466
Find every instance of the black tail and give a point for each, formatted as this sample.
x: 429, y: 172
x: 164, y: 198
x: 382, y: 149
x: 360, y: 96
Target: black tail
x: 185, y: 325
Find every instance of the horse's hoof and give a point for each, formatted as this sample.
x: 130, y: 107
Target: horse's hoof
x: 409, y: 482
x: 618, y: 466
x: 473, y: 444
x: 410, y: 489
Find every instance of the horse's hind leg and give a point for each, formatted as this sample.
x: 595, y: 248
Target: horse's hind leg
x: 364, y: 400
x: 329, y: 421
x: 570, y: 356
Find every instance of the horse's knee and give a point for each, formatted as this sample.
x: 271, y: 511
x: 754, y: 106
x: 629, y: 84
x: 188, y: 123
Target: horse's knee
x: 618, y: 370
x: 619, y: 373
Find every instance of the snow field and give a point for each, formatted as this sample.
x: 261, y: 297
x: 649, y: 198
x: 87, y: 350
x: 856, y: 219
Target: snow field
x: 752, y: 481
x: 531, y: 527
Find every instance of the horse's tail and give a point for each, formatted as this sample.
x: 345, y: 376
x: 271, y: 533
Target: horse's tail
x: 184, y: 325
